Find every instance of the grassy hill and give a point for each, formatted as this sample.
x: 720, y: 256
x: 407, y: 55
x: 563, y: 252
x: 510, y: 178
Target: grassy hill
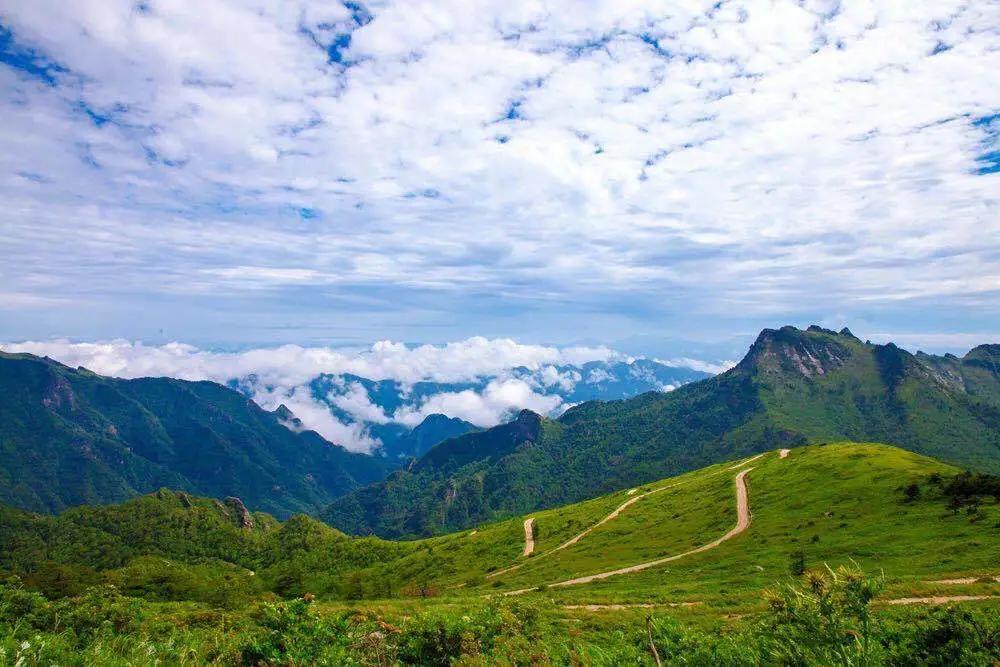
x: 793, y: 388
x: 864, y: 506
x: 71, y: 437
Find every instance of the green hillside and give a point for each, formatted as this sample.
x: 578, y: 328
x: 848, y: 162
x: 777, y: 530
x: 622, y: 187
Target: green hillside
x: 71, y: 437
x: 793, y: 388
x: 919, y: 526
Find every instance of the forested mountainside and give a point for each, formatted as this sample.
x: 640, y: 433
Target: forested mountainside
x: 70, y: 437
x: 792, y: 388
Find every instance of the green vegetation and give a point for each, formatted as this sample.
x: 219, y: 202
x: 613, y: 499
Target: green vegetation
x: 793, y: 388
x: 176, y: 579
x: 71, y: 437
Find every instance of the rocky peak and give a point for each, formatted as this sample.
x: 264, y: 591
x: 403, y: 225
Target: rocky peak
x: 810, y: 353
x: 287, y: 417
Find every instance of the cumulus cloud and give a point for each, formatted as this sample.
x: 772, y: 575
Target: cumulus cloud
x: 356, y: 402
x: 290, y: 365
x: 282, y: 164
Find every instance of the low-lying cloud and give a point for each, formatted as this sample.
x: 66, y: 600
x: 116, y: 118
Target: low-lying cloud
x: 282, y: 375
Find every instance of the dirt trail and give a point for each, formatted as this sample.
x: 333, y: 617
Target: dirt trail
x: 967, y: 580
x: 783, y: 453
x: 576, y: 538
x: 942, y: 599
x: 634, y: 605
x: 743, y: 463
x: 529, y: 537
x: 742, y: 523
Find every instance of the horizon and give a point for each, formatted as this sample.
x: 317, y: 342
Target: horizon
x: 477, y: 380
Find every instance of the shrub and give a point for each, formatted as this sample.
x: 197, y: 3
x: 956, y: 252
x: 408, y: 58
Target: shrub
x: 946, y: 637
x: 797, y: 563
x: 292, y: 634
x: 828, y: 620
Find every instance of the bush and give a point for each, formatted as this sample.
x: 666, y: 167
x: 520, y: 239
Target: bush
x: 292, y: 634
x: 507, y: 628
x: 946, y: 637
x: 828, y: 620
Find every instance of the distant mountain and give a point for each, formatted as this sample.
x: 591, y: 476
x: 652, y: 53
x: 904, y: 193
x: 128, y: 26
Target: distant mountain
x: 387, y: 408
x: 71, y: 437
x: 398, y: 441
x: 793, y: 387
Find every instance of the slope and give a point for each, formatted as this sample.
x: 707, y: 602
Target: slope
x: 693, y: 539
x: 70, y: 437
x: 793, y: 387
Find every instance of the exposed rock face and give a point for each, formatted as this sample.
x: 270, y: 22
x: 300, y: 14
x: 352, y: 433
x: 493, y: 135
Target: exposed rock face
x: 243, y: 517
x: 789, y: 349
x: 59, y: 395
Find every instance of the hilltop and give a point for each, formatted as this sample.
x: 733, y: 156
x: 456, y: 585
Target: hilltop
x: 794, y: 387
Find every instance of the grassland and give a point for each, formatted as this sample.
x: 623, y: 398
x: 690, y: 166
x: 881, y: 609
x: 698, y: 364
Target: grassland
x: 845, y: 506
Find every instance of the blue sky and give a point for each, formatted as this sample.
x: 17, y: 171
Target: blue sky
x: 660, y: 177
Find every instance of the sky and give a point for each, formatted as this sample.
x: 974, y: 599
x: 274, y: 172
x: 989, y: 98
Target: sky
x: 662, y: 178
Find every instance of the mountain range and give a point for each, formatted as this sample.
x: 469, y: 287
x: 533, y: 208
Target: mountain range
x: 794, y: 387
x: 404, y: 418
x: 69, y: 436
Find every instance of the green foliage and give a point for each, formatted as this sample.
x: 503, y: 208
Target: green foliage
x: 793, y: 388
x: 70, y: 437
x: 797, y: 563
x: 828, y: 620
x: 946, y: 637
x: 291, y: 633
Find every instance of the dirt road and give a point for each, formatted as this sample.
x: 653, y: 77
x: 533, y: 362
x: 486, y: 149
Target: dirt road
x: 742, y: 523
x: 529, y: 537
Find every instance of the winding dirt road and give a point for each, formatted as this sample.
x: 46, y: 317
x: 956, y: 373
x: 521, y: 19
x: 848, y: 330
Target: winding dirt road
x: 614, y: 514
x: 742, y: 523
x: 529, y: 537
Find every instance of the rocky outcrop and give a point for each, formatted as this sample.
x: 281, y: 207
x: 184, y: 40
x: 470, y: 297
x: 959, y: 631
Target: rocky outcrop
x: 810, y: 353
x: 241, y: 514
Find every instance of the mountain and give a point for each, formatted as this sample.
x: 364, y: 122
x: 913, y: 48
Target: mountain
x: 390, y: 411
x: 398, y: 441
x: 71, y: 437
x: 794, y: 387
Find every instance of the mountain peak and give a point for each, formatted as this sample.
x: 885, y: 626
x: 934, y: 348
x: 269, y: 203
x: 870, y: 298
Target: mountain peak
x: 987, y: 355
x: 813, y: 352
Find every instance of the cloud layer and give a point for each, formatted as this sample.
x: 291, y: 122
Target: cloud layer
x: 425, y: 168
x: 282, y: 375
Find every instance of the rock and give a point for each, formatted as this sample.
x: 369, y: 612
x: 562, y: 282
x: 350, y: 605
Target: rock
x: 242, y: 513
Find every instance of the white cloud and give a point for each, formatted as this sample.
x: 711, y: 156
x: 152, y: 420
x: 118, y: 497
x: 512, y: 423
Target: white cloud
x: 356, y: 402
x: 486, y: 408
x: 281, y: 375
x: 754, y: 156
